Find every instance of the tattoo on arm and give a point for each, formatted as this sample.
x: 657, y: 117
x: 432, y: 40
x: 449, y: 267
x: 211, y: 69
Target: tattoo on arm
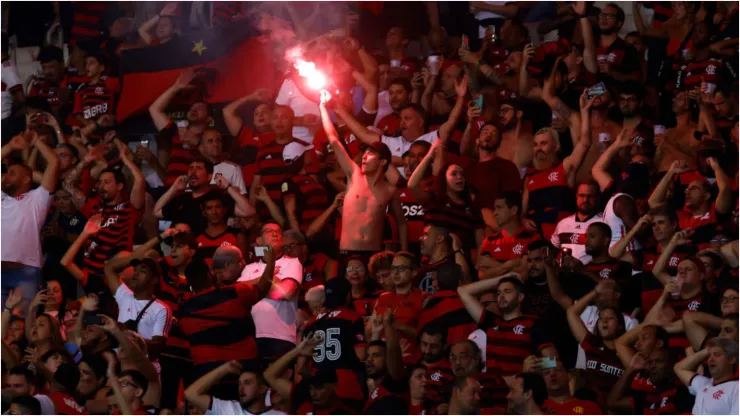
x: 78, y: 197
x: 561, y: 108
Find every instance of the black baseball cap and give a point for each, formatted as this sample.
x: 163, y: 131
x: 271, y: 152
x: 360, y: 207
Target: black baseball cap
x: 336, y: 291
x: 382, y: 150
x: 185, y: 239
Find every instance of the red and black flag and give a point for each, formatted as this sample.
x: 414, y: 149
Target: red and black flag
x: 231, y: 61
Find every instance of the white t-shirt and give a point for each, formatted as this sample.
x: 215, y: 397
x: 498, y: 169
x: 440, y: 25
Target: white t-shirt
x: 574, y: 232
x: 233, y: 407
x: 47, y: 406
x: 480, y: 338
x: 10, y: 79
x: 156, y: 319
x: 589, y: 317
x: 23, y: 217
x: 291, y: 96
x: 399, y: 145
x: 721, y: 399
x: 275, y: 318
x: 232, y: 172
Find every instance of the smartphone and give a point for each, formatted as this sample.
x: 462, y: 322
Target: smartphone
x: 492, y: 29
x: 92, y: 320
x: 478, y: 102
x: 259, y: 251
x: 548, y: 362
x: 43, y: 286
x: 465, y: 42
x: 565, y: 252
x: 596, y: 90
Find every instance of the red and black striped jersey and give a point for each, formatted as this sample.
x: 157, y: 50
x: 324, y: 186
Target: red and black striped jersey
x: 406, y: 309
x: 364, y: 303
x: 550, y: 198
x: 463, y: 219
x: 94, y: 100
x: 671, y: 401
x: 390, y: 397
x: 48, y: 90
x: 273, y: 168
x: 692, y: 74
x: 611, y: 269
x: 603, y: 367
x: 702, y: 302
x: 174, y: 290
x: 439, y: 383
x: 508, y: 343
x: 207, y: 245
x: 180, y: 154
x: 244, y: 152
x: 502, y: 246
x: 621, y: 57
x: 646, y: 258
x: 314, y: 272
x: 218, y: 324
x: 116, y: 233
x: 88, y: 19
x: 494, y: 390
x: 445, y: 310
x: 311, y: 198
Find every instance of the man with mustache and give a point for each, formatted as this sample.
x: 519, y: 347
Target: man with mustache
x: 399, y: 96
x: 180, y: 206
x: 177, y: 148
x: 516, y: 143
x: 612, y: 55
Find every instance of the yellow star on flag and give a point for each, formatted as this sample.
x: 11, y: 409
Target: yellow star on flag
x: 199, y: 47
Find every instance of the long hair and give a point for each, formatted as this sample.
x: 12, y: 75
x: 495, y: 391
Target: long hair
x: 55, y: 338
x: 620, y: 322
x: 440, y: 185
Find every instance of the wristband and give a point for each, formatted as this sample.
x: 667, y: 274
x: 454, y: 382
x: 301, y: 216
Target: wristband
x: 7, y: 309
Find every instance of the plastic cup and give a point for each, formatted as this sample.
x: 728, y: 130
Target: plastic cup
x: 659, y: 129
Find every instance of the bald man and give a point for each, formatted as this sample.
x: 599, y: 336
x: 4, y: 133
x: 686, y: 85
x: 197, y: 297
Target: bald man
x: 227, y: 265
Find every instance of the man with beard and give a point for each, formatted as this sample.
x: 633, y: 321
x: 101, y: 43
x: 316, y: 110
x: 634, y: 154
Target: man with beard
x: 516, y: 143
x: 212, y: 148
x: 678, y: 143
x: 178, y: 205
x: 115, y: 226
x: 491, y: 174
x: 368, y: 193
x: 445, y: 309
x: 508, y: 245
x: 538, y: 300
x: 252, y: 392
x: 385, y: 371
x: 548, y: 189
x: 615, y: 58
x: 527, y: 394
x: 560, y: 401
x: 466, y: 361
x: 399, y: 96
x: 52, y: 86
x: 665, y: 394
x: 510, y: 336
x: 725, y: 105
x: 440, y: 247
x: 413, y: 125
x: 176, y: 149
x: 570, y: 232
x: 23, y: 211
x: 432, y: 344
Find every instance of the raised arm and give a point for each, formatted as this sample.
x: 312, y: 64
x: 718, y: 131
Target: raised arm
x: 370, y: 102
x: 396, y: 210
x: 343, y: 158
x: 469, y: 292
x: 600, y: 170
x: 589, y: 46
x: 618, y: 399
x: 573, y: 162
x: 696, y: 326
x: 260, y: 193
x: 657, y: 198
x: 414, y: 183
x: 644, y: 29
x: 273, y: 374
x: 233, y: 122
x: 145, y: 29
x: 158, y: 107
x: 197, y: 393
x: 176, y: 189
x: 51, y: 173
x: 723, y: 204
x: 556, y: 290
x: 461, y: 89
x: 322, y: 220
x: 393, y: 353
x: 242, y: 207
x: 577, y: 327
x: 618, y: 249
x: 138, y: 190
x: 679, y: 238
x: 686, y: 368
x: 91, y: 228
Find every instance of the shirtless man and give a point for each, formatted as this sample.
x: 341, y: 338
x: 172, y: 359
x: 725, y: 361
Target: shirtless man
x: 678, y: 143
x: 516, y: 145
x: 368, y: 193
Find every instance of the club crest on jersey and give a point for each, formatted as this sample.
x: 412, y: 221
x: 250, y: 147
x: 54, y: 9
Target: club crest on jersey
x: 552, y: 177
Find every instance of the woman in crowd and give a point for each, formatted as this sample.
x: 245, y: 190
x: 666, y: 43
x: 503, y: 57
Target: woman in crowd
x: 364, y: 290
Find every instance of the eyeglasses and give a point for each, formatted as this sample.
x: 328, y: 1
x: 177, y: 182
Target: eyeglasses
x: 129, y: 384
x: 628, y: 99
x: 607, y: 15
x: 271, y: 231
x: 728, y: 299
x: 400, y: 268
x: 355, y: 269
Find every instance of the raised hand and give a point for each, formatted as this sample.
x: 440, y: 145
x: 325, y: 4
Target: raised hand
x: 94, y: 224
x: 417, y: 81
x: 586, y: 102
x: 473, y: 112
x: 14, y: 298
x: 233, y: 367
x: 40, y: 298
x: 111, y: 359
x: 644, y: 222
x: 461, y: 88
x: 269, y: 255
x: 307, y: 346
x: 185, y: 78
x: 579, y: 7
x: 339, y: 199
x: 18, y: 143
x: 261, y: 194
x: 222, y: 183
x: 109, y: 324
x: 90, y: 303
x: 325, y: 97
x: 144, y: 153
x: 95, y: 153
x: 180, y: 183
x: 528, y: 53
x: 637, y: 362
x: 683, y: 237
x: 107, y: 120
x: 713, y: 163
x: 429, y: 79
x: 679, y: 166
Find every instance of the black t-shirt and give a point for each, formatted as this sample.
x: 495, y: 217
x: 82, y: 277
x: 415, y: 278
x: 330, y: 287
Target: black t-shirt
x: 185, y: 208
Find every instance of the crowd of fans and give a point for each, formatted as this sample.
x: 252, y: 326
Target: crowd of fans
x: 500, y: 208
